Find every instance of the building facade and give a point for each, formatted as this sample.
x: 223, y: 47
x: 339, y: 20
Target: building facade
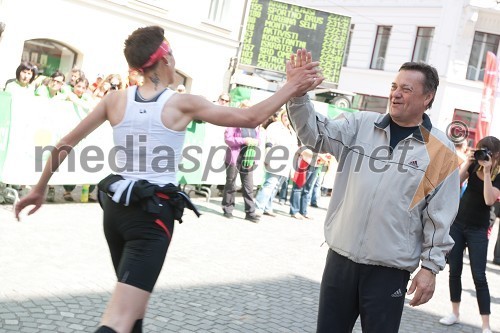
x: 452, y: 35
x: 89, y: 34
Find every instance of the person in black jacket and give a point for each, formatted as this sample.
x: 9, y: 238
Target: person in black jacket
x: 470, y: 229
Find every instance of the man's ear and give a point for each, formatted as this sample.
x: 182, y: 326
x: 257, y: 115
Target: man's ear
x: 428, y: 99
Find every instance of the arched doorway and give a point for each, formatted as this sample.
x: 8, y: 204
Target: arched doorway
x: 49, y: 55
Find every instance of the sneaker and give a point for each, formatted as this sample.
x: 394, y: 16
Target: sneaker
x: 51, y: 194
x: 449, y: 320
x: 270, y: 214
x: 487, y: 330
x: 315, y: 205
x: 252, y: 218
x: 228, y: 215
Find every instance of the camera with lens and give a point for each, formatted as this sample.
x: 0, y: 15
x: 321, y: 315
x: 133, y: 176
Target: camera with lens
x: 482, y: 154
x: 114, y: 87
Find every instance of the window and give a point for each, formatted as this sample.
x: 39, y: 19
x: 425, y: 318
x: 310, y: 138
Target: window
x: 422, y: 44
x: 380, y: 48
x: 348, y: 45
x: 470, y: 119
x: 49, y: 56
x: 217, y: 8
x: 483, y: 43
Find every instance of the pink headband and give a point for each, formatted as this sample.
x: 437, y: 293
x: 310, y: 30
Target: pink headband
x: 163, y: 49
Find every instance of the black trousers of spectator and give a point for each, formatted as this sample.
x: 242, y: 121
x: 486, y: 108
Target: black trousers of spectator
x: 496, y: 253
x: 349, y: 290
x: 229, y: 195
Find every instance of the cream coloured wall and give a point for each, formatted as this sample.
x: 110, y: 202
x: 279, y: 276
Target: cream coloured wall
x: 455, y: 24
x: 96, y: 29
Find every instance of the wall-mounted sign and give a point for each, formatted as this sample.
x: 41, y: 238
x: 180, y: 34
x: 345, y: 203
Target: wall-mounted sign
x: 275, y: 30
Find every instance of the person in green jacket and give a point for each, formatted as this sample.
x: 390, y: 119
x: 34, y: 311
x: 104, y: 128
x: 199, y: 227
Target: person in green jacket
x: 53, y: 87
x: 25, y: 74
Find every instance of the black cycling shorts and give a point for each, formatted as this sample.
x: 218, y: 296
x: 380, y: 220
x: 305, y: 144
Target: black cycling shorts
x: 138, y: 242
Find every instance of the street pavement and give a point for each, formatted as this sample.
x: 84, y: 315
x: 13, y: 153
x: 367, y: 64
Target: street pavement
x: 220, y: 275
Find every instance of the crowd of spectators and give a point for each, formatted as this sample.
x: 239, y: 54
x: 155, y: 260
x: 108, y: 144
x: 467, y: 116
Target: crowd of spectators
x: 74, y: 87
x: 286, y: 164
x: 277, y: 134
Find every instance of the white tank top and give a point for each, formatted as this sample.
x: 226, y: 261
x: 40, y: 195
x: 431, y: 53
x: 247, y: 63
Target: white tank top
x: 144, y: 147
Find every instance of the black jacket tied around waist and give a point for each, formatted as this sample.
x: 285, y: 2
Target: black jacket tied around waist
x: 150, y: 196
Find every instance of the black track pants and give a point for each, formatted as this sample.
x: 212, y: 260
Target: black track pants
x: 349, y: 290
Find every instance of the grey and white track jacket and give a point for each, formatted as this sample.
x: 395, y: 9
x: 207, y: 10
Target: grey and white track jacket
x: 388, y: 208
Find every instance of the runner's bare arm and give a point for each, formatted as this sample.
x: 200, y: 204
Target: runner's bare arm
x: 93, y: 120
x: 305, y: 78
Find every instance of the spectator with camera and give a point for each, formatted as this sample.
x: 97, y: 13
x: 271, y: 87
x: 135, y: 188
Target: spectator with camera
x: 470, y: 228
x: 110, y: 83
x: 115, y: 81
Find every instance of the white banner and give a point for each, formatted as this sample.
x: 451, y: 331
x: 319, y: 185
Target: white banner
x: 38, y: 123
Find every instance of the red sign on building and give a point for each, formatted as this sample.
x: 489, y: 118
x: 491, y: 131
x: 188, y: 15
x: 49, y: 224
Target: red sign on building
x: 488, y: 100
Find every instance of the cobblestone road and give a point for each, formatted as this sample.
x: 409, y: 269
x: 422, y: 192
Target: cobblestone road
x: 220, y: 275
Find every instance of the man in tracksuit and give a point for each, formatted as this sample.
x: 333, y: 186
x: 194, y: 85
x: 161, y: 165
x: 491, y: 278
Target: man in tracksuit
x: 396, y: 195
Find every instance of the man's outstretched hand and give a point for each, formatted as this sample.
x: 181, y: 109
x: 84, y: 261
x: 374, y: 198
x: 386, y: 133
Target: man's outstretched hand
x: 301, y: 70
